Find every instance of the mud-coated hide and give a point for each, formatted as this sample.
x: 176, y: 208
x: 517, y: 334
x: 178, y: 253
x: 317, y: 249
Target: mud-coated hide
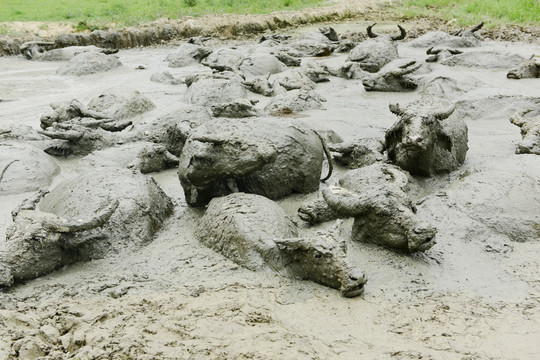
x: 263, y: 156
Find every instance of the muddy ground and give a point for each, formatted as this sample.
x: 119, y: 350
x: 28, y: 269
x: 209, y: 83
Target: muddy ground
x: 474, y: 295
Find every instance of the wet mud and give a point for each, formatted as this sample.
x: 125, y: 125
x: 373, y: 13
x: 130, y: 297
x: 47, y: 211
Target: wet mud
x: 474, y: 295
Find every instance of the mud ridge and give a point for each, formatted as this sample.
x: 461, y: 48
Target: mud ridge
x: 245, y: 26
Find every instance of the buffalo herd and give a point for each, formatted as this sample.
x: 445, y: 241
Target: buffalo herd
x: 237, y: 156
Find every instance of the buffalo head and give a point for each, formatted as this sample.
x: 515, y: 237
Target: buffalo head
x: 412, y: 140
x: 528, y: 69
x: 392, y: 78
x: 322, y: 259
x: 401, y: 36
x: 38, y: 242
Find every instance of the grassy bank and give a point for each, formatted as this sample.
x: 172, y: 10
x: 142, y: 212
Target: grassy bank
x: 467, y: 12
x: 134, y: 12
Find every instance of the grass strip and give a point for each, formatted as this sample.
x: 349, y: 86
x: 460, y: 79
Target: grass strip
x: 468, y: 12
x: 97, y: 13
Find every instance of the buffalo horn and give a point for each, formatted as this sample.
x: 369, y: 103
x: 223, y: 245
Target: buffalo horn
x: 328, y: 157
x: 402, y: 34
x: 395, y: 109
x: 477, y: 27
x: 445, y: 113
x: 370, y: 33
x: 406, y: 69
x: 99, y: 220
x: 72, y: 135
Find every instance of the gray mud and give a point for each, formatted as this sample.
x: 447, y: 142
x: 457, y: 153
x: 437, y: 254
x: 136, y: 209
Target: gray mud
x: 474, y: 295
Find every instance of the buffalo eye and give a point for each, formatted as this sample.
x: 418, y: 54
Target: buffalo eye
x: 318, y: 255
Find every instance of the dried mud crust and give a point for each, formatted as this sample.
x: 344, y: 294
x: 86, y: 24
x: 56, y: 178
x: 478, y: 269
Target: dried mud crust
x: 240, y: 26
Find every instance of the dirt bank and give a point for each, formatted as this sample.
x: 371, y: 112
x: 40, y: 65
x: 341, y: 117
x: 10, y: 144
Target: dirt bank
x: 238, y: 26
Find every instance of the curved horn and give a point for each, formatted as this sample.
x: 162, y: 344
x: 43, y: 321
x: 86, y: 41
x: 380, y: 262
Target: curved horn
x: 406, y: 69
x: 29, y: 204
x: 402, y: 34
x: 445, y: 113
x: 99, y: 220
x: 72, y: 135
x: 395, y: 109
x: 211, y: 139
x: 328, y: 157
x: 85, y: 112
x: 370, y: 33
x: 477, y: 27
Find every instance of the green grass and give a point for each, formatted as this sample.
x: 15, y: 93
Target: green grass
x: 467, y: 12
x: 134, y: 12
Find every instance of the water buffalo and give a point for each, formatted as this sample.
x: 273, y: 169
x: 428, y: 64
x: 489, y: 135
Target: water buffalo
x: 358, y: 153
x: 109, y: 107
x: 530, y: 133
x: 320, y: 43
x: 24, y: 168
x: 440, y: 53
x: 89, y: 63
x: 375, y: 196
x: 376, y: 51
x: 460, y: 39
x: 188, y: 54
x: 256, y: 233
x: 121, y: 211
x: 264, y: 156
x: 423, y: 142
x: 527, y: 69
x: 33, y: 49
x: 393, y: 78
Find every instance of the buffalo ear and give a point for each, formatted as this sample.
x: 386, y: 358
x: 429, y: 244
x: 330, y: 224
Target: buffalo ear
x: 292, y: 244
x: 394, y: 134
x: 442, y: 115
x: 444, y: 141
x: 395, y: 109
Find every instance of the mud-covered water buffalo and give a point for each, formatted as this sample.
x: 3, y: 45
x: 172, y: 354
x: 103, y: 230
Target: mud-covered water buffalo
x: 33, y: 49
x: 460, y: 39
x: 143, y: 156
x: 440, y: 53
x: 423, y: 141
x: 88, y: 217
x: 393, y: 78
x: 358, y: 153
x: 376, y: 51
x: 89, y: 63
x: 375, y: 196
x: 75, y: 139
x: 530, y: 133
x: 24, y: 168
x: 263, y: 156
x: 106, y: 109
x: 256, y: 233
x: 528, y: 69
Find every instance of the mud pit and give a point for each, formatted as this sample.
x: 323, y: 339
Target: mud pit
x: 474, y: 295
